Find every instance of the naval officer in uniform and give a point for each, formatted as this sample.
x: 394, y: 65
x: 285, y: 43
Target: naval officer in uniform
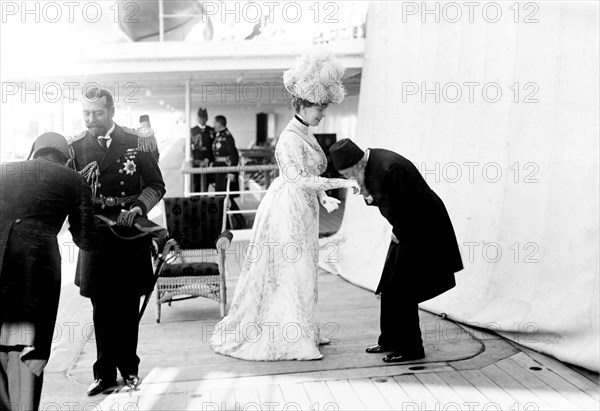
x: 226, y: 154
x: 126, y: 181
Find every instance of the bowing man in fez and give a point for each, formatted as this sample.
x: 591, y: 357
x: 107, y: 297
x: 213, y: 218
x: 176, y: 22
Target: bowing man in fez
x: 119, y: 165
x: 423, y: 254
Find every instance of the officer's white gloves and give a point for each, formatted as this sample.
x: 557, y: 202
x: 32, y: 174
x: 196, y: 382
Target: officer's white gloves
x: 127, y: 216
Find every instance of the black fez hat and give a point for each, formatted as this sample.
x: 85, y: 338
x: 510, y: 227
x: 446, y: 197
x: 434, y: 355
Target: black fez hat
x: 345, y: 154
x: 144, y: 117
x: 53, y: 142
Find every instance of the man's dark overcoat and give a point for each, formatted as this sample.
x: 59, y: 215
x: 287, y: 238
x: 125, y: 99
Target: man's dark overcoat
x: 422, y: 265
x: 35, y: 198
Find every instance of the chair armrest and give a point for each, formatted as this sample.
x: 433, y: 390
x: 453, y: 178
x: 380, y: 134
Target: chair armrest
x: 158, y: 245
x: 224, y: 240
x: 163, y: 246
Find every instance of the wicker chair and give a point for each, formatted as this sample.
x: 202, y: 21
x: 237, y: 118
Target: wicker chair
x: 197, y: 224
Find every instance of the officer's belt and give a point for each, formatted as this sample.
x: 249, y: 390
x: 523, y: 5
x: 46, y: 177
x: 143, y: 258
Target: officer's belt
x: 223, y: 159
x: 113, y: 201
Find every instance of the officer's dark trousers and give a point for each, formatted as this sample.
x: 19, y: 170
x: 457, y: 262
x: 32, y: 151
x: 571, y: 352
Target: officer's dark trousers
x: 116, y: 328
x: 399, y: 324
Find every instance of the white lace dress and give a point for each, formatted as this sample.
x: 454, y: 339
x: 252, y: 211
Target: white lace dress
x: 273, y: 312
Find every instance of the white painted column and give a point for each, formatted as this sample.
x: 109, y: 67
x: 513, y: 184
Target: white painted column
x: 187, y: 188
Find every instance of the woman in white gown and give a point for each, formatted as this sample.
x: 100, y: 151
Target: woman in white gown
x: 273, y: 312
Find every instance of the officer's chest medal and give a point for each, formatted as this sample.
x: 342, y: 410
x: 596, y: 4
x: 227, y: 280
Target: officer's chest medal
x: 129, y: 166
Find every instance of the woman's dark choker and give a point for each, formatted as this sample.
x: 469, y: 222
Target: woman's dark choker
x: 297, y: 117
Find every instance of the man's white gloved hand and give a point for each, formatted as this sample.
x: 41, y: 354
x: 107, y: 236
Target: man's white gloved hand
x: 395, y: 239
x: 127, y: 216
x: 330, y: 203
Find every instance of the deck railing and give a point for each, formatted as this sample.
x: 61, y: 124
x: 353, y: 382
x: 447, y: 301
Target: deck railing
x: 187, y: 170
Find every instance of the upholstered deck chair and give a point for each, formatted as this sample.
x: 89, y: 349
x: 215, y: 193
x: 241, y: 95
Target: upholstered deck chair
x: 197, y: 224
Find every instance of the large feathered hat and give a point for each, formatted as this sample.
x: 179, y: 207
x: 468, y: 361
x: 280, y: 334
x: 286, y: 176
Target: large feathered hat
x: 317, y: 78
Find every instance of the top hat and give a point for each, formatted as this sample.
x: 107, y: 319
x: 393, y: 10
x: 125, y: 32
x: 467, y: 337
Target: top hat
x: 345, y: 154
x: 51, y: 141
x: 144, y: 117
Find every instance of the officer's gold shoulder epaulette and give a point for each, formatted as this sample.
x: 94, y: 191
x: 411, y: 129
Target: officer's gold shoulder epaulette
x: 146, y: 139
x: 77, y: 137
x: 130, y: 131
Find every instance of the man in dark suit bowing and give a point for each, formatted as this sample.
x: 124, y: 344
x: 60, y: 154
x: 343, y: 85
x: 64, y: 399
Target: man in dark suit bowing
x: 125, y: 179
x: 423, y: 254
x: 35, y: 197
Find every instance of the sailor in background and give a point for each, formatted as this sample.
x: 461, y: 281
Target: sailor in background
x: 201, y: 140
x: 226, y: 154
x: 126, y: 181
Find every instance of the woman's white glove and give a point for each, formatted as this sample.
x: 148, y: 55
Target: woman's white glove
x: 330, y: 203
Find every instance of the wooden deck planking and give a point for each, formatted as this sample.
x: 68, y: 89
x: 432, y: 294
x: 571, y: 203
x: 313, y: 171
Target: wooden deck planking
x: 199, y: 395
x: 419, y: 395
x: 530, y: 380
x: 197, y: 403
x: 393, y: 393
x: 565, y: 388
x: 295, y: 396
x: 145, y: 402
x: 347, y: 378
x: 516, y: 390
x: 178, y: 401
x: 592, y: 388
x: 247, y: 398
x: 368, y: 394
x: 270, y: 396
x: 489, y: 389
x: 444, y: 393
x: 345, y: 397
x: 319, y: 393
x: 223, y: 398
x: 467, y: 391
